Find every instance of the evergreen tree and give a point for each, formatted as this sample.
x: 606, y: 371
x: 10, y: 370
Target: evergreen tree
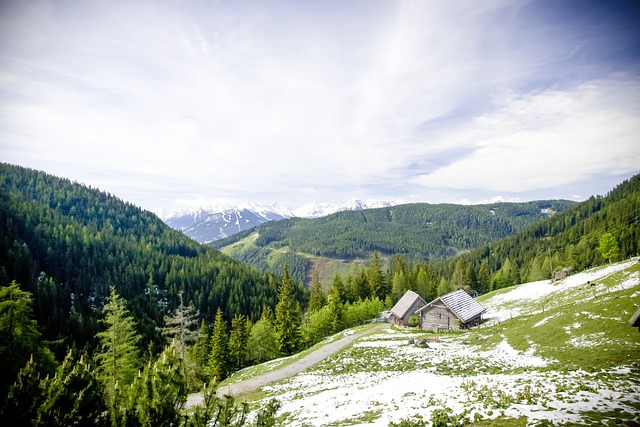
x: 19, y: 336
x: 484, y: 277
x: 399, y: 285
x: 219, y: 354
x: 117, y: 356
x: 360, y: 283
x: 377, y: 282
x: 338, y: 288
x: 398, y: 265
x: 459, y: 279
x: 158, y: 393
x: 443, y: 287
x: 317, y: 298
x: 24, y: 398
x: 238, y: 340
x: 335, y: 307
x: 73, y: 396
x: 180, y: 329
x: 202, y: 347
x: 539, y: 269
x: 288, y: 319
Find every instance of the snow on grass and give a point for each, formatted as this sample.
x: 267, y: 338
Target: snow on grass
x: 452, y: 375
x: 590, y: 340
x: 479, y: 375
x: 545, y: 320
x: 537, y: 296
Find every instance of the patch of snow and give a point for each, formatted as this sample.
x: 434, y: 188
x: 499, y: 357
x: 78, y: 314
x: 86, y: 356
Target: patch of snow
x: 514, y: 358
x: 587, y: 341
x: 545, y: 320
x: 319, y: 398
x: 508, y: 304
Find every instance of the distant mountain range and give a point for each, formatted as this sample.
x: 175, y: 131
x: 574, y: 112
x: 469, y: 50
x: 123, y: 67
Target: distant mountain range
x: 218, y: 222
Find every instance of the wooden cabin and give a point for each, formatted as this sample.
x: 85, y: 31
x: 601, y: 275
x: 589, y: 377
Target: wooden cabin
x: 451, y: 312
x: 406, y: 308
x: 635, y: 319
x: 561, y: 274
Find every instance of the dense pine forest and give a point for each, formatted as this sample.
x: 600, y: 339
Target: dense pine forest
x: 419, y: 232
x: 109, y: 317
x: 596, y: 231
x: 86, y: 277
x: 67, y: 244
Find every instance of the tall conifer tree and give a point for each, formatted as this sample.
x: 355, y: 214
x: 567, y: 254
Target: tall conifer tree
x: 288, y: 317
x: 238, y: 339
x: 219, y: 353
x: 117, y: 357
x: 375, y: 277
x: 317, y: 298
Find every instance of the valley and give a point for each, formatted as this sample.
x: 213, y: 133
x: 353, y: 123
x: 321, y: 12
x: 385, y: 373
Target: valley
x: 81, y: 267
x: 420, y: 232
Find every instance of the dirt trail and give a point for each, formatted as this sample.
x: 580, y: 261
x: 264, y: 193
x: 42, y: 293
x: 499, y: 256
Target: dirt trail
x: 246, y: 386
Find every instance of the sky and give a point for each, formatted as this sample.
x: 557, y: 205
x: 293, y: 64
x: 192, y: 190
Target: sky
x: 179, y: 103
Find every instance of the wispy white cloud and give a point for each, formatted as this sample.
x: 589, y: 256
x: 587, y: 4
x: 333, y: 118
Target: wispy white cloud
x: 161, y: 102
x: 544, y: 140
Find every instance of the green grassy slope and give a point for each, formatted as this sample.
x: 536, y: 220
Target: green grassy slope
x: 583, y: 327
x: 575, y: 363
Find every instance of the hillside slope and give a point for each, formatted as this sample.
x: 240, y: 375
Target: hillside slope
x: 420, y: 232
x: 67, y: 244
x: 575, y: 363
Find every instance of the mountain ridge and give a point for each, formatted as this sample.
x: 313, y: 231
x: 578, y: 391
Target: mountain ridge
x: 216, y: 222
x: 420, y: 232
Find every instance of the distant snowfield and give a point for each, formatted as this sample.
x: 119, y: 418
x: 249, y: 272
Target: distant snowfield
x: 385, y: 379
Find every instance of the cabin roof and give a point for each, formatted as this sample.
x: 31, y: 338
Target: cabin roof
x: 405, y: 303
x: 461, y: 304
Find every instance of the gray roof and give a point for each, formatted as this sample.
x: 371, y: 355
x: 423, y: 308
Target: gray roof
x: 461, y: 304
x: 404, y: 305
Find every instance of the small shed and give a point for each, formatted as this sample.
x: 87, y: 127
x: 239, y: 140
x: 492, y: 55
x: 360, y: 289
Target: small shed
x: 561, y: 274
x: 635, y: 320
x: 451, y: 312
x: 405, y: 308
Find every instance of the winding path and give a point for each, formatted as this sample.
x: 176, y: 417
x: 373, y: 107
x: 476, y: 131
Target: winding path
x: 248, y: 385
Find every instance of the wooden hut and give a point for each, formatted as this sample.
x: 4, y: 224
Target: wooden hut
x: 635, y: 319
x: 561, y: 274
x: 406, y: 308
x: 451, y: 312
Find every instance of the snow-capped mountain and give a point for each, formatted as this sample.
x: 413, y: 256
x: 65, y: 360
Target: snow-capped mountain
x: 317, y: 210
x: 217, y: 222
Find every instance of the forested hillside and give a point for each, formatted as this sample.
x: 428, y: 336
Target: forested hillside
x: 100, y: 304
x: 420, y: 232
x: 67, y: 244
x: 596, y: 231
